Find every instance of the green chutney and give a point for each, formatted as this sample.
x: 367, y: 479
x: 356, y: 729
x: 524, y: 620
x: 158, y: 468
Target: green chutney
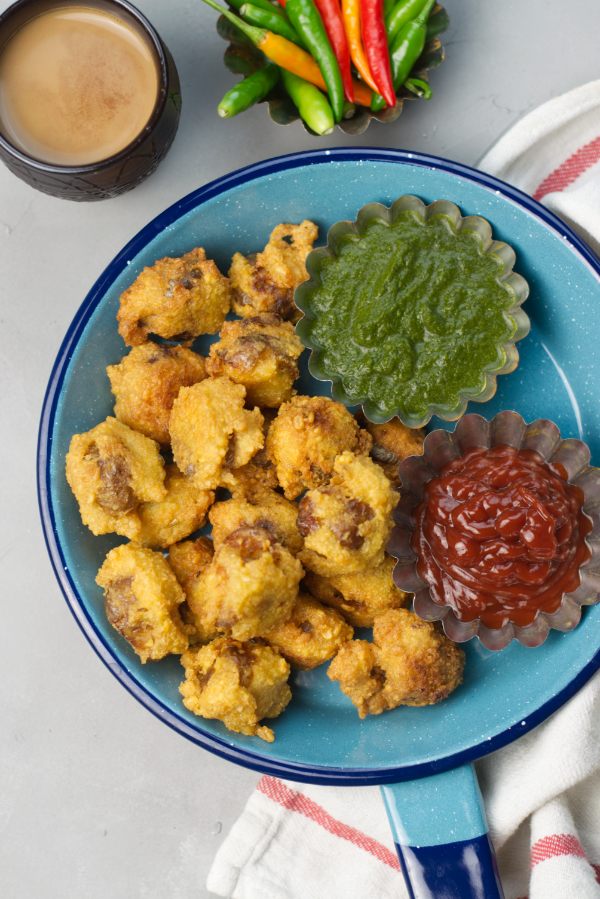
x: 410, y: 315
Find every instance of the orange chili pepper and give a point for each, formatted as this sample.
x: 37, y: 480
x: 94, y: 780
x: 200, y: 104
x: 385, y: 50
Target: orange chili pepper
x: 299, y: 62
x: 351, y: 17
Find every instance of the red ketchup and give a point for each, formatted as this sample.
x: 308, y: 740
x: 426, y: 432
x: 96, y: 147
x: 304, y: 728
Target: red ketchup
x: 500, y: 536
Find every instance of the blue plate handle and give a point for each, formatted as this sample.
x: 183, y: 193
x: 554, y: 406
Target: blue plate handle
x: 442, y: 837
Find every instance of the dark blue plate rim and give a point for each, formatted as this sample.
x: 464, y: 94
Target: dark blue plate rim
x: 298, y: 772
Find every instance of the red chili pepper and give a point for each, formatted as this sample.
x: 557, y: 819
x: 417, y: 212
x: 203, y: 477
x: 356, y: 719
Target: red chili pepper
x: 376, y: 47
x: 334, y: 26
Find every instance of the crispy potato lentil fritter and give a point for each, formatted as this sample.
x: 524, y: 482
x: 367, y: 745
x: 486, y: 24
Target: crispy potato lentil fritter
x: 260, y: 353
x: 347, y: 524
x: 232, y: 606
x: 392, y: 443
x: 250, y: 586
x: 261, y: 508
x: 307, y: 437
x: 265, y: 282
x: 409, y: 662
x: 146, y: 383
x: 111, y: 470
x: 141, y: 598
x: 359, y: 596
x: 238, y: 683
x: 212, y: 431
x: 177, y: 299
x: 311, y: 635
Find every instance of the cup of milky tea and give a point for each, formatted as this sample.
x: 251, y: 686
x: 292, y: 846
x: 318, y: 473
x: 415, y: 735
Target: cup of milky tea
x: 89, y: 96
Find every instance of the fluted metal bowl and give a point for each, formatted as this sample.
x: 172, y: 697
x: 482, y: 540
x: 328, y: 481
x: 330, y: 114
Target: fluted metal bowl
x: 243, y: 58
x: 440, y: 447
x: 507, y: 352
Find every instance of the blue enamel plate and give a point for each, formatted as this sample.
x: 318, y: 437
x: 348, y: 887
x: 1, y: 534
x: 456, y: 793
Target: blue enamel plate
x: 319, y: 738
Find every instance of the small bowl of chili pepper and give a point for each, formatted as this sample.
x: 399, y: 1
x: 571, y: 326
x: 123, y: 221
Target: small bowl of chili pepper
x: 330, y: 62
x: 496, y: 528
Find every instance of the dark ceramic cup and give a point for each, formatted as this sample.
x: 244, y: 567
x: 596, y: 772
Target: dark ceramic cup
x: 126, y: 169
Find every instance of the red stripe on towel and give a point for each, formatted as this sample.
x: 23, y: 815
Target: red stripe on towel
x: 297, y: 802
x: 569, y: 171
x: 552, y: 847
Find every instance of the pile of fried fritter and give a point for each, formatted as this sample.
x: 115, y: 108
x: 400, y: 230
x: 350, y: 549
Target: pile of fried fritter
x: 299, y: 493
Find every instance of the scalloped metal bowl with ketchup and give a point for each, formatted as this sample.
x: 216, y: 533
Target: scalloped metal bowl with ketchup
x: 514, y: 510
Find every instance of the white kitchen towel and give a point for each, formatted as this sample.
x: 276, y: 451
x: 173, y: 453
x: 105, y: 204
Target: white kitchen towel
x: 542, y: 793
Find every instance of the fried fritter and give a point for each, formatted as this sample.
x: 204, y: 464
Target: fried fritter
x: 188, y: 560
x: 260, y: 353
x: 141, y: 598
x: 179, y: 514
x: 392, y: 443
x: 346, y: 525
x: 250, y: 586
x: 359, y: 596
x: 146, y: 383
x: 312, y: 635
x: 111, y: 470
x: 236, y: 683
x: 265, y: 282
x: 260, y: 509
x: 410, y: 662
x: 305, y: 439
x: 175, y: 298
x: 211, y: 430
x: 259, y: 473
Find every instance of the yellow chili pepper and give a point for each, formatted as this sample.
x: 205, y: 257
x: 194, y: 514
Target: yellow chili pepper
x: 351, y: 17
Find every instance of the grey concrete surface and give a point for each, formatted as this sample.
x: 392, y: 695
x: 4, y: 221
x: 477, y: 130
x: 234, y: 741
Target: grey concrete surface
x: 98, y: 798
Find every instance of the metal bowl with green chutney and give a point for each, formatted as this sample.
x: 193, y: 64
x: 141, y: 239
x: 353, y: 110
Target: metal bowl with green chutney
x: 412, y: 310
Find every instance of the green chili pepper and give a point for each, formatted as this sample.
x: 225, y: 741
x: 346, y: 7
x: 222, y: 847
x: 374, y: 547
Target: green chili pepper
x: 264, y: 4
x: 419, y: 87
x: 305, y: 18
x: 349, y: 110
x: 403, y: 12
x: 249, y: 91
x: 405, y: 51
x: 256, y: 15
x: 388, y: 6
x: 313, y: 106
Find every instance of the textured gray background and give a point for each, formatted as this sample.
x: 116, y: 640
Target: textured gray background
x: 97, y: 798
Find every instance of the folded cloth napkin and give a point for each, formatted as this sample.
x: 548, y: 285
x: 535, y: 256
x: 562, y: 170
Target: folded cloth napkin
x: 542, y: 793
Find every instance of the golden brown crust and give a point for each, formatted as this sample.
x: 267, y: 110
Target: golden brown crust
x: 111, y: 470
x: 179, y: 514
x: 312, y: 634
x: 146, y: 383
x: 175, y: 298
x: 236, y: 683
x: 141, y: 599
x: 265, y: 282
x: 261, y: 509
x: 188, y: 560
x: 347, y: 524
x: 305, y: 439
x: 257, y: 474
x: 249, y: 587
x: 212, y: 431
x: 259, y: 352
x: 410, y: 662
x: 392, y: 443
x: 361, y: 596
